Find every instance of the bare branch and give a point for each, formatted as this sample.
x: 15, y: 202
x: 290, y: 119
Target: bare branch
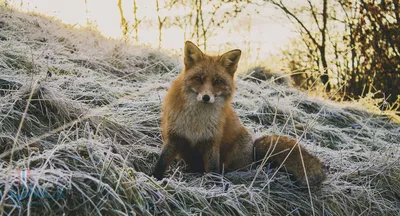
x: 288, y: 12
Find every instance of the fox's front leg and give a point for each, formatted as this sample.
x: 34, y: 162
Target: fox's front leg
x: 167, y: 155
x: 211, y: 157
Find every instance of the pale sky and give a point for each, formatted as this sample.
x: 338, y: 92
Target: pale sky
x: 268, y: 32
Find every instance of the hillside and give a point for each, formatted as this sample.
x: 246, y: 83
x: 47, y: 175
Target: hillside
x: 82, y: 114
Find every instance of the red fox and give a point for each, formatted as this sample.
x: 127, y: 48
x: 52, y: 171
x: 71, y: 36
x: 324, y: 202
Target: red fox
x: 200, y: 126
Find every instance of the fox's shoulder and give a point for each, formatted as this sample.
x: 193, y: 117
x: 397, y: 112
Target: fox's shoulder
x: 174, y: 93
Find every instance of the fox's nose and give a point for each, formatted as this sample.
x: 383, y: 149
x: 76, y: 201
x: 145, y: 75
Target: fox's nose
x: 206, y: 98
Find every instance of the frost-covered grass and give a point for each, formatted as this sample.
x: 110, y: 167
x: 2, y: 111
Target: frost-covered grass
x: 82, y: 113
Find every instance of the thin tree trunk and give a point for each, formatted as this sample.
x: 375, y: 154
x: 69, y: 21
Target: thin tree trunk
x: 136, y: 25
x: 160, y: 24
x: 204, y: 30
x: 87, y: 13
x: 197, y: 23
x: 325, y: 76
x: 124, y: 24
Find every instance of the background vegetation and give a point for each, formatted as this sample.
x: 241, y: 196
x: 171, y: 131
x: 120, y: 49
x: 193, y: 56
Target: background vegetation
x: 346, y: 48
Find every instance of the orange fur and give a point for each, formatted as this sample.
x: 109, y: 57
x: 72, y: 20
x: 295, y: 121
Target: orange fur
x: 276, y: 149
x: 200, y: 126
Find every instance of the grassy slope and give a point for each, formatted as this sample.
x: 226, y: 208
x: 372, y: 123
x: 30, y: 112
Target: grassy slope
x: 92, y: 130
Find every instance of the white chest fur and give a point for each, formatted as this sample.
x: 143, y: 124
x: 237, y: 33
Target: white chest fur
x: 197, y: 122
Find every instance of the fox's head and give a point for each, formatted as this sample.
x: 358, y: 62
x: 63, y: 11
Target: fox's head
x: 209, y: 79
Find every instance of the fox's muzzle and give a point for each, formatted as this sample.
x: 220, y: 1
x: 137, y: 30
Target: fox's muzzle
x: 206, y: 98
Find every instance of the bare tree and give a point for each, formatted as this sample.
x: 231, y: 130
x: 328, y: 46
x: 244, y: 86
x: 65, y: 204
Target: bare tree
x: 204, y: 17
x: 161, y: 22
x: 318, y: 39
x: 136, y: 21
x: 124, y: 23
x: 359, y: 38
x: 87, y: 13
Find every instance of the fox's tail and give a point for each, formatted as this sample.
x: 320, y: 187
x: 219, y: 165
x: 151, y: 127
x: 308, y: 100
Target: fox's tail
x: 279, y: 150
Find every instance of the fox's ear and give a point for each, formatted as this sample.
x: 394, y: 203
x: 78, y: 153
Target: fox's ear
x: 192, y: 54
x: 230, y: 60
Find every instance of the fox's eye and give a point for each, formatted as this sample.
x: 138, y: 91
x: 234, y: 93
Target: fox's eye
x: 218, y: 81
x: 198, y: 79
